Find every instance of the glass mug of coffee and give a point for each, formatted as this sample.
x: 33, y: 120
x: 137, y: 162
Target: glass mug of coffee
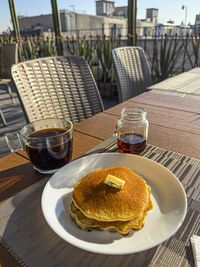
x: 132, y: 130
x: 48, y: 143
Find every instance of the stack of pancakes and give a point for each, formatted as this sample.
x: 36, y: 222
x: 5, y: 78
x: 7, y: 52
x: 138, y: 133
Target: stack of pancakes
x: 96, y: 205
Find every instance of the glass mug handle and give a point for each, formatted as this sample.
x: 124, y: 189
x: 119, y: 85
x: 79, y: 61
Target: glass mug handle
x: 115, y: 130
x: 13, y: 141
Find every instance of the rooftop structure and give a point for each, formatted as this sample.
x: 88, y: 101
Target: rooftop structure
x: 105, y: 8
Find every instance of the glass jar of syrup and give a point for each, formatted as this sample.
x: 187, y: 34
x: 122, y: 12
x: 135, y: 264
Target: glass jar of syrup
x: 132, y: 130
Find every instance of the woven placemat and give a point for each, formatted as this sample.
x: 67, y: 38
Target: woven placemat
x: 25, y: 233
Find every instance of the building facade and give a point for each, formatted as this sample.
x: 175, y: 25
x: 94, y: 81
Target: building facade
x: 197, y: 24
x: 73, y: 23
x: 108, y: 20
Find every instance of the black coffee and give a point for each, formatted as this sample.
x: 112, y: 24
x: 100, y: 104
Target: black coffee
x: 47, y: 152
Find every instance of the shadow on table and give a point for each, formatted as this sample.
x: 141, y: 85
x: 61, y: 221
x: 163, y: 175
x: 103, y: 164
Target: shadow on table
x: 16, y: 179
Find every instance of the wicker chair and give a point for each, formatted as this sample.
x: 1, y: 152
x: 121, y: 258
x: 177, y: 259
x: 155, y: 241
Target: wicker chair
x: 132, y: 71
x: 8, y: 57
x: 61, y: 87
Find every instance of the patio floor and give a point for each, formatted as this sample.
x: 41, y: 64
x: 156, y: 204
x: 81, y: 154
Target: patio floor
x: 15, y: 118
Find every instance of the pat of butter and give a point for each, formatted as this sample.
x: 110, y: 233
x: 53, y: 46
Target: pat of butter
x: 113, y: 181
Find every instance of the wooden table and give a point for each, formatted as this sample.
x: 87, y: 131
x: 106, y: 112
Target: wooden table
x: 185, y: 83
x: 174, y: 125
x: 195, y: 70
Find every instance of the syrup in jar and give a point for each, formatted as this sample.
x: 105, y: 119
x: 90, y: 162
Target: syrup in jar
x: 131, y: 143
x: 132, y: 130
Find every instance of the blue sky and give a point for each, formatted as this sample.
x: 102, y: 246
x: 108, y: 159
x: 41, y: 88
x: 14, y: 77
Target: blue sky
x: 167, y: 9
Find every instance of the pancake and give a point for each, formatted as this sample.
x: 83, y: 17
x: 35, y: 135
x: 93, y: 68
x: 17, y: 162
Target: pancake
x: 103, y: 203
x: 122, y: 227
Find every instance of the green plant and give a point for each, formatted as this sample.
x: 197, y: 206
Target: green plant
x: 104, y: 48
x: 185, y: 51
x: 82, y: 46
x: 7, y: 39
x: 194, y: 57
x: 29, y: 48
x: 38, y: 46
x: 71, y: 45
x: 45, y: 46
x: 87, y: 48
x: 166, y: 56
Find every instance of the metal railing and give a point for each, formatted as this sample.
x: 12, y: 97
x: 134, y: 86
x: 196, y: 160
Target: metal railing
x: 168, y: 54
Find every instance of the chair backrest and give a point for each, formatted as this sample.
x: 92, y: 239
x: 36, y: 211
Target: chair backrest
x: 132, y: 71
x: 59, y: 87
x: 8, y: 57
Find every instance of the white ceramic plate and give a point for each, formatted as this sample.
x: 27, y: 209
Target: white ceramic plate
x: 168, y: 196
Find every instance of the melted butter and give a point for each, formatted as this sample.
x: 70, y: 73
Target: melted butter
x: 114, y: 181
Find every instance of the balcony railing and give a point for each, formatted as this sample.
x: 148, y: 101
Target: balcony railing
x: 168, y: 53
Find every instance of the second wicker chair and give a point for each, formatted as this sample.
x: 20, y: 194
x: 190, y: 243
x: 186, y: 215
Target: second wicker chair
x: 132, y: 71
x: 60, y: 87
